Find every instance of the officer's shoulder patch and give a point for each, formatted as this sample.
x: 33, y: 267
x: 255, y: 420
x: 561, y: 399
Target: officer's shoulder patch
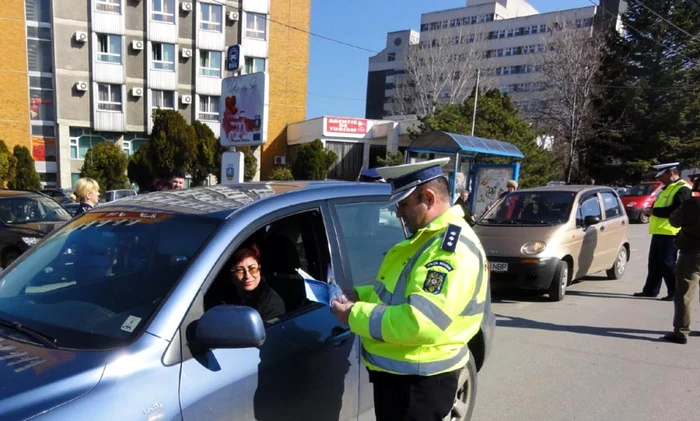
x: 440, y: 263
x: 451, y: 237
x: 434, y: 281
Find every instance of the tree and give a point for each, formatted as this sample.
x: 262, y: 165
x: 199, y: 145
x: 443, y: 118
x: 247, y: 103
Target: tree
x: 441, y: 70
x: 571, y: 63
x: 392, y: 159
x: 250, y: 162
x: 313, y: 161
x: 139, y: 168
x: 106, y: 163
x: 497, y: 118
x: 281, y: 174
x: 208, y: 158
x: 8, y: 164
x: 173, y: 144
x: 26, y: 177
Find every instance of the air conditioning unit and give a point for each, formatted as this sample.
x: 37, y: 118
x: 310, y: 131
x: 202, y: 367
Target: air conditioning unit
x: 186, y: 6
x: 186, y: 99
x: 81, y: 36
x: 233, y: 16
x: 280, y: 160
x: 186, y: 53
x: 137, y: 45
x: 137, y: 92
x: 81, y: 86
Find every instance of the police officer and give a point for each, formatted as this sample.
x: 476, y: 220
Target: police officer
x: 426, y: 303
x: 662, y: 251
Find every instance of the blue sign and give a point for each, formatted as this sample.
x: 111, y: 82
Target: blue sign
x: 233, y: 58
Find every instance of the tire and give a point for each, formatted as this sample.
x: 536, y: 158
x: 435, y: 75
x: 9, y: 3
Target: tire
x: 557, y: 289
x: 643, y: 219
x: 618, y: 268
x: 466, y: 394
x: 9, y: 257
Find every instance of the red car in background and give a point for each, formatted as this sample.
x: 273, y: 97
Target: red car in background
x: 640, y: 197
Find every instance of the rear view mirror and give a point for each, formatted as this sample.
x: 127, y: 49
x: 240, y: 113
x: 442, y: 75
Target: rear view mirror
x: 230, y: 326
x: 591, y: 220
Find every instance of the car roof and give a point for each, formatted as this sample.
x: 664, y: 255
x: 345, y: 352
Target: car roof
x: 220, y: 201
x: 568, y: 188
x: 16, y: 193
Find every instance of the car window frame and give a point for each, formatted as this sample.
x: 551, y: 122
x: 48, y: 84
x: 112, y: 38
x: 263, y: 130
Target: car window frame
x: 179, y: 351
x: 584, y: 197
x: 620, y: 208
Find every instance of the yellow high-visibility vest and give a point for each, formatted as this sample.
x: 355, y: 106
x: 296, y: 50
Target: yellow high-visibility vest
x: 662, y: 226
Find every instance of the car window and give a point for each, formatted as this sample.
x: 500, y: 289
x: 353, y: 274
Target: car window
x: 548, y: 207
x: 589, y: 207
x: 126, y: 193
x: 611, y: 205
x: 25, y: 210
x: 98, y: 280
x: 367, y: 231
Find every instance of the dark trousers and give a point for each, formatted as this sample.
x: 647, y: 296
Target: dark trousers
x: 687, y: 279
x: 413, y: 398
x: 662, y: 264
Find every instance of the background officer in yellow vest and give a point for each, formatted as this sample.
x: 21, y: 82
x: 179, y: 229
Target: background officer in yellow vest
x: 662, y: 251
x: 426, y: 303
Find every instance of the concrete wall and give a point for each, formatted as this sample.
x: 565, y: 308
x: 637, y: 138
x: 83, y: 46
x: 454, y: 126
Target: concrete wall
x: 14, y: 95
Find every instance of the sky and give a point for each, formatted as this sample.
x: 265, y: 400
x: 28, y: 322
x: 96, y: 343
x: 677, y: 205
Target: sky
x: 338, y: 73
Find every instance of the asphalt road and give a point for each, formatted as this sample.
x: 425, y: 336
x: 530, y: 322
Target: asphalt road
x: 593, y: 356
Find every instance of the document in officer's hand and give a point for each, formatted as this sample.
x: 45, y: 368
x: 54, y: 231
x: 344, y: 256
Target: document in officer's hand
x: 321, y: 292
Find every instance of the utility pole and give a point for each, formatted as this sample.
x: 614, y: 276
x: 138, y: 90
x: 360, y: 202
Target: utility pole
x: 476, y: 98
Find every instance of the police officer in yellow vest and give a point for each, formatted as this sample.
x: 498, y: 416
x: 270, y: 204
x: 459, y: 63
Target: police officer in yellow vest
x: 662, y: 251
x: 426, y: 303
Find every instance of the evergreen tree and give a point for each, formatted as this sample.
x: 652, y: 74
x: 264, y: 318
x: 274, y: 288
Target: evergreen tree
x: 26, y: 177
x: 106, y: 163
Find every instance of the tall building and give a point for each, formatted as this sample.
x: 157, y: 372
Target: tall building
x: 505, y: 36
x: 98, y: 69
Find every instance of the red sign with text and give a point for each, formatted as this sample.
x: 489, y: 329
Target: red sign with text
x: 346, y: 125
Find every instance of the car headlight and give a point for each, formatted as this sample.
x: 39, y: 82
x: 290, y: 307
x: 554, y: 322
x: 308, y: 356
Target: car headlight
x: 631, y: 204
x: 533, y: 247
x: 30, y: 241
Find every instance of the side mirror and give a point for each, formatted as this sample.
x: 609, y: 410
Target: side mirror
x: 591, y: 220
x: 229, y: 326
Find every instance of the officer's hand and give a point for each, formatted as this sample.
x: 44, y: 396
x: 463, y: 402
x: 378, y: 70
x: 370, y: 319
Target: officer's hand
x: 341, y: 307
x: 351, y: 294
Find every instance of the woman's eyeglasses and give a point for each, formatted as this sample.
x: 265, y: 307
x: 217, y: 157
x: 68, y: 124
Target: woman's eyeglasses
x: 240, y: 271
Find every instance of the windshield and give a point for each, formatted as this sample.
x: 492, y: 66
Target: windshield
x: 97, y: 281
x: 531, y: 208
x: 644, y: 189
x: 28, y: 210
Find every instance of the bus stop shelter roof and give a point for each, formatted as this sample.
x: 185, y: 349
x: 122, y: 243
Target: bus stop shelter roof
x: 450, y: 143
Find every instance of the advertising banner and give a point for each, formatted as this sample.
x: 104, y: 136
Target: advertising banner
x: 345, y: 126
x: 489, y: 182
x: 244, y: 109
x: 232, y: 167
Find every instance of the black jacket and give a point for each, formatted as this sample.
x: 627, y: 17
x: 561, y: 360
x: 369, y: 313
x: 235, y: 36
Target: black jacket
x: 84, y: 207
x: 263, y: 299
x: 467, y: 210
x: 687, y: 218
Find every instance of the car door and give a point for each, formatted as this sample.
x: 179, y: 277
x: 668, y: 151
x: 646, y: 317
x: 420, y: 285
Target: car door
x: 365, y: 230
x: 614, y: 227
x: 589, y: 258
x: 308, y: 367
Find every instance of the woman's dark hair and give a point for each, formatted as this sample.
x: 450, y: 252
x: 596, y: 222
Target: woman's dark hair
x: 250, y: 250
x: 161, y: 184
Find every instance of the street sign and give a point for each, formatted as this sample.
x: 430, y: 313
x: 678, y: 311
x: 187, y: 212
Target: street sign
x: 234, y: 58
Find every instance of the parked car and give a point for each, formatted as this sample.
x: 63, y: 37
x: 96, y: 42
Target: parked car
x: 113, y: 310
x: 622, y: 191
x: 59, y: 195
x: 545, y: 238
x: 640, y: 198
x: 112, y: 195
x: 71, y: 208
x: 25, y: 217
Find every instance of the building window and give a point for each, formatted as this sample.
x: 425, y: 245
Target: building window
x: 163, y: 100
x: 132, y: 142
x: 208, y: 108
x: 41, y: 106
x: 163, y: 56
x: 511, y: 33
x: 81, y: 140
x: 163, y: 11
x: 109, y: 97
x: 210, y: 63
x: 211, y: 17
x: 499, y: 52
x: 391, y: 57
x: 445, y: 24
x: 112, y: 6
x: 254, y: 65
x: 44, y: 131
x: 543, y: 28
x: 38, y: 10
x: 255, y: 26
x: 424, y: 27
x: 39, y: 50
x: 109, y: 48
x: 502, y: 33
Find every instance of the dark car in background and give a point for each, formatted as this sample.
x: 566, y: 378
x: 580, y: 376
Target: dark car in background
x: 61, y: 196
x: 25, y: 218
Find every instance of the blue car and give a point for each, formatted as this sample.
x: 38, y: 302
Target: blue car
x: 115, y: 315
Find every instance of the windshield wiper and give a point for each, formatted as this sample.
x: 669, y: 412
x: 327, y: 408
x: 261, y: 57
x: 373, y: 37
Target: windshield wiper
x: 42, y: 338
x: 532, y: 221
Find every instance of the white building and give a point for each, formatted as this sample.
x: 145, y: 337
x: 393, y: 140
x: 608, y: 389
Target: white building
x: 510, y: 33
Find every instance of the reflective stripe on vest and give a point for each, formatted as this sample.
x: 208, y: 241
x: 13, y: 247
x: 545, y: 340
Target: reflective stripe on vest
x: 419, y: 369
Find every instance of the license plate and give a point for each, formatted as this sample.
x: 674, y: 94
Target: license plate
x: 498, y: 267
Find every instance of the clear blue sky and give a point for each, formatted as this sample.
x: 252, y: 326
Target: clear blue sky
x: 339, y: 71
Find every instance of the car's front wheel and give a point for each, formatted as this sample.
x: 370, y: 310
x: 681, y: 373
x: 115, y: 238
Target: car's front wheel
x: 466, y: 394
x: 557, y: 289
x: 643, y: 219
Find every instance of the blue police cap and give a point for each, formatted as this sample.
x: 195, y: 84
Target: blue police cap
x: 662, y: 168
x: 405, y: 178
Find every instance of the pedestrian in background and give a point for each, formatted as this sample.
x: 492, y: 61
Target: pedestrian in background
x: 87, y: 192
x: 511, y: 186
x: 177, y: 180
x: 463, y: 201
x: 687, y: 218
x: 662, y: 251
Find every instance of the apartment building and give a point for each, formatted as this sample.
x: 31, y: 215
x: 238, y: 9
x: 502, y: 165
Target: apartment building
x: 98, y: 69
x: 508, y: 34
